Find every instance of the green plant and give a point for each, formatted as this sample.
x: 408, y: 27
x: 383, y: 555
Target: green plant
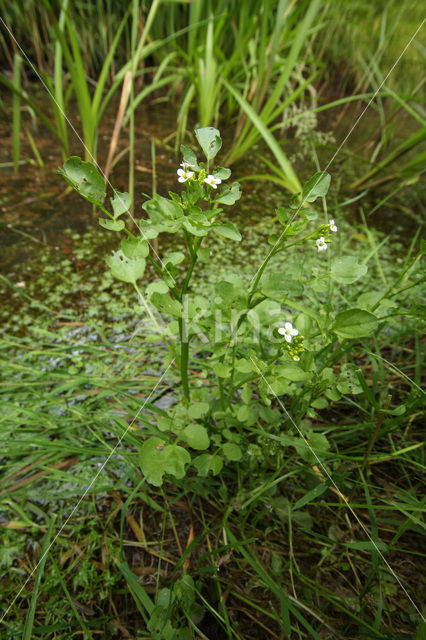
x: 248, y: 338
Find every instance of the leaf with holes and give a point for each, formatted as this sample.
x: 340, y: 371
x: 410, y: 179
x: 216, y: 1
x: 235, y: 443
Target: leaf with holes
x: 120, y: 203
x: 209, y: 140
x: 124, y: 268
x: 133, y: 248
x: 157, y: 458
x: 206, y: 463
x: 85, y: 179
x: 189, y: 156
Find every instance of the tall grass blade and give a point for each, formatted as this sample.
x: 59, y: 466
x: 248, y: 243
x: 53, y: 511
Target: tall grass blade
x: 29, y: 622
x: 16, y: 107
x: 290, y: 179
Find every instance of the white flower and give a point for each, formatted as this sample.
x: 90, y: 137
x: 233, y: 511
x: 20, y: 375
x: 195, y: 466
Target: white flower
x: 288, y: 331
x: 332, y: 226
x: 187, y: 165
x: 321, y: 244
x: 184, y: 175
x: 296, y: 358
x: 212, y: 181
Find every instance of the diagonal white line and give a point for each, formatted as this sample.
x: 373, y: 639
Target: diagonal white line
x: 101, y: 468
x: 79, y: 138
x: 365, y: 530
x: 341, y: 495
x: 342, y: 143
x: 162, y: 376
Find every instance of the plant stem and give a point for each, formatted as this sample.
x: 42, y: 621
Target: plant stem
x: 184, y: 353
x: 193, y: 252
x: 184, y: 342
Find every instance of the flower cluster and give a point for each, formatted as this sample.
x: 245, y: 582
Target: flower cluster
x: 321, y: 242
x: 185, y: 174
x: 293, y: 342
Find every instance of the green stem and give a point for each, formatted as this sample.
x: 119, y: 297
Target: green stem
x: 159, y: 270
x: 193, y: 251
x: 184, y: 357
x: 184, y: 342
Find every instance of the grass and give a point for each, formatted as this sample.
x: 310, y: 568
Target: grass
x: 272, y: 547
x: 282, y: 544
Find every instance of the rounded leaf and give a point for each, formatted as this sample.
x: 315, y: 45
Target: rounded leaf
x: 354, y: 323
x: 232, y: 451
x: 124, y: 268
x: 196, y: 436
x: 84, y: 178
x: 111, y: 225
x: 209, y: 140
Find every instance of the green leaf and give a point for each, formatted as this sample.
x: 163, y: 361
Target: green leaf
x: 84, y: 178
x: 311, y: 495
x: 229, y: 195
x: 120, y: 203
x: 196, y: 436
x: 188, y: 155
x: 318, y: 445
x: 156, y: 287
x: 292, y: 372
x: 157, y: 458
x: 206, y: 463
x: 316, y: 187
x: 222, y: 173
x: 203, y: 254
x: 243, y: 413
x: 319, y: 403
x: 166, y: 304
x: 198, y: 410
x: 111, y: 225
x: 227, y: 291
x: 159, y: 620
x: 367, y: 546
x: 232, y: 451
x: 228, y: 230
x: 175, y: 257
x: 368, y: 299
x: 277, y: 287
x: 244, y: 366
x: 221, y: 370
x: 124, y: 268
x: 348, y: 380
x: 134, y: 248
x: 282, y: 215
x: 354, y: 323
x: 209, y: 140
x: 194, y: 230
x: 347, y: 269
x: 159, y: 208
